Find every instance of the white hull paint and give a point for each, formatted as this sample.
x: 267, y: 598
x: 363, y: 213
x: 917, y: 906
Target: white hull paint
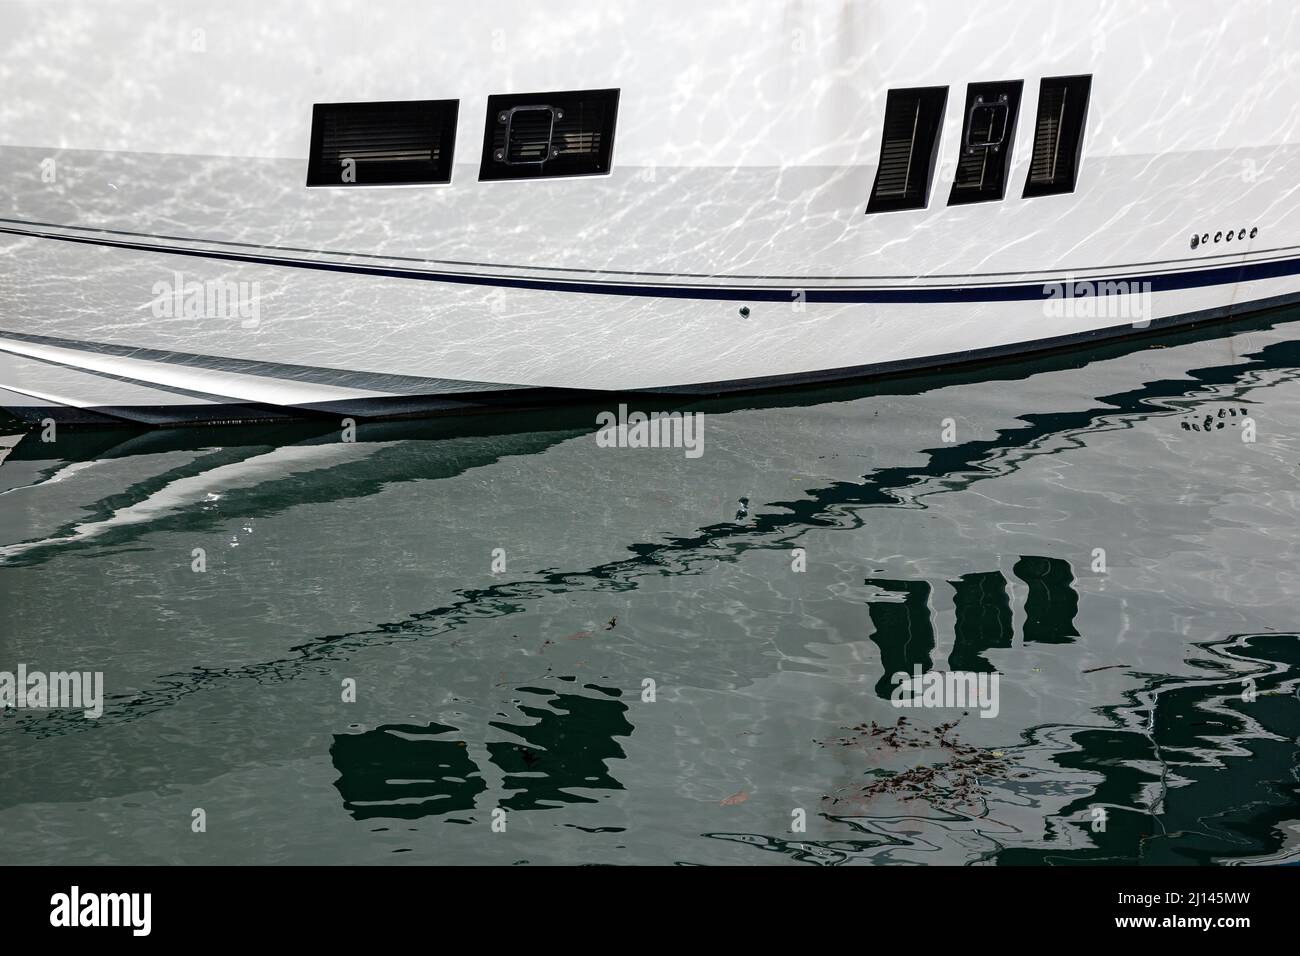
x: 748, y: 137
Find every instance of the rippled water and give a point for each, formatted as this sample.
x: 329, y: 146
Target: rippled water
x: 651, y: 678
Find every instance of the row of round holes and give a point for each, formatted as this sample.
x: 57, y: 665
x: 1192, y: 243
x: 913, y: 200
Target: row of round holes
x: 1204, y: 239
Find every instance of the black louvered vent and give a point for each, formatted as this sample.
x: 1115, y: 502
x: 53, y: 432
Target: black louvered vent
x: 549, y: 134
x: 382, y: 144
x: 987, y: 135
x: 528, y: 132
x: 1058, y: 135
x: 908, y: 148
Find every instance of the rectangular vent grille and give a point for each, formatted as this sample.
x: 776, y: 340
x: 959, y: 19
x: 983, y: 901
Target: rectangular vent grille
x: 382, y: 144
x: 988, y: 133
x: 908, y: 148
x: 1058, y: 135
x: 531, y: 135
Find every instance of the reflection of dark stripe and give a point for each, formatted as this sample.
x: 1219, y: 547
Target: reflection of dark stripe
x: 1235, y: 798
x: 1160, y: 282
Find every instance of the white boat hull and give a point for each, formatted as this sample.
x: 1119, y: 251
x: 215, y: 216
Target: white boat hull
x: 728, y: 247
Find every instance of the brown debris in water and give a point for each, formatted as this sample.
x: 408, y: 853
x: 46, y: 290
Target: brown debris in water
x: 955, y: 780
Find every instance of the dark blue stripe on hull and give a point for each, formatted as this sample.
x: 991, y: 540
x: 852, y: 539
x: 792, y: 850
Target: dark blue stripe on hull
x: 1159, y: 282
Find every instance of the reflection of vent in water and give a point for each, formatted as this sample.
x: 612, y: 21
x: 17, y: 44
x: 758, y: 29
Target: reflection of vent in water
x: 982, y: 612
x: 903, y: 631
x: 564, y: 749
x: 553, y: 756
x: 904, y: 628
x: 1052, y: 602
x: 402, y: 771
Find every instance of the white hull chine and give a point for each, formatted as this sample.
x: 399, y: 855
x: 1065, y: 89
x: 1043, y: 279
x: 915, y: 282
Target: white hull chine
x: 90, y: 388
x: 147, y: 277
x: 581, y: 337
x: 87, y: 383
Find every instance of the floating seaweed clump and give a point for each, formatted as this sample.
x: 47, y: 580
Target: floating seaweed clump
x: 951, y: 781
